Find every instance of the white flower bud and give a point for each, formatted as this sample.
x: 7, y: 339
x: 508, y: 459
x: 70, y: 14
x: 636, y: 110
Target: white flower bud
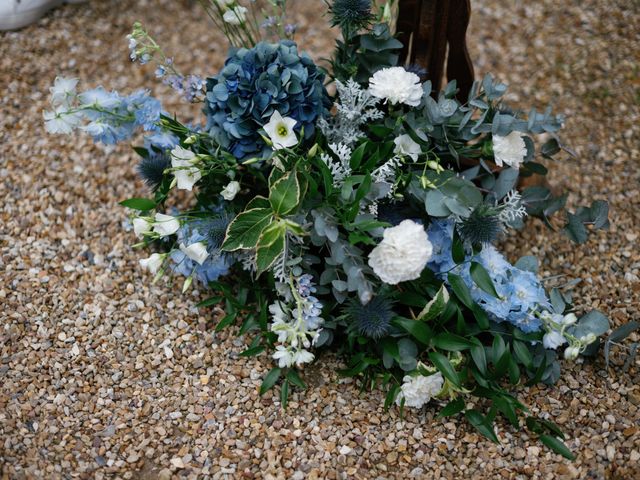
x: 571, y: 353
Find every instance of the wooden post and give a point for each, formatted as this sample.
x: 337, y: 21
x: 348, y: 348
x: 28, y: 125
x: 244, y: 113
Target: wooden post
x: 427, y: 28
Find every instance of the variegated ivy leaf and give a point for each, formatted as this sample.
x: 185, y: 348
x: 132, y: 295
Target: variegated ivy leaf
x: 244, y: 231
x: 284, y: 195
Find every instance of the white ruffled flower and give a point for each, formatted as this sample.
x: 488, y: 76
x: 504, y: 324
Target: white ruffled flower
x: 196, y: 251
x: 402, y: 254
x: 510, y: 149
x: 396, y: 85
x: 280, y: 131
x: 186, y: 173
x: 230, y: 191
x: 165, y: 224
x: 417, y: 391
x: 63, y: 90
x: 141, y: 226
x: 153, y: 263
x: 406, y: 146
x: 553, y: 339
x: 235, y: 16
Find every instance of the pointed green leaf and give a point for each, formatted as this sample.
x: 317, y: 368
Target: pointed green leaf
x: 481, y: 423
x: 270, y: 246
x: 557, y: 446
x: 270, y: 380
x: 482, y: 279
x: 417, y: 329
x: 461, y: 290
x: 294, y: 377
x: 444, y: 366
x: 142, y: 204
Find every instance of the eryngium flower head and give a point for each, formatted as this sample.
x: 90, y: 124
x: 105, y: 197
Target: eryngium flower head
x: 151, y: 169
x: 351, y: 14
x: 372, y: 320
x: 255, y: 83
x: 482, y: 226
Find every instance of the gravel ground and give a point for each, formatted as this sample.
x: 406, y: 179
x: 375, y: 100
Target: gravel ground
x: 104, y: 376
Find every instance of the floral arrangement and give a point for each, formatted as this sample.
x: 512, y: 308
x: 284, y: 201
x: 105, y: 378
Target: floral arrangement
x: 362, y: 221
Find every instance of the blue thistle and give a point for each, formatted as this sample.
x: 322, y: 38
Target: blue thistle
x: 482, y: 226
x: 351, y: 15
x: 151, y: 169
x: 372, y: 320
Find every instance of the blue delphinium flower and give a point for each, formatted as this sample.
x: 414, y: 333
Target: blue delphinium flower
x: 310, y: 305
x: 161, y: 140
x: 252, y: 85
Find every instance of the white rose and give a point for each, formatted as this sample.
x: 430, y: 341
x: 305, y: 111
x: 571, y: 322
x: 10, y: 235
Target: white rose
x: 510, y: 149
x: 396, y: 85
x: 186, y: 173
x: 141, y: 226
x: 553, y: 340
x: 165, y: 224
x: 406, y: 146
x: 235, y: 16
x: 153, y: 263
x: 230, y: 191
x: 280, y: 131
x: 417, y: 391
x: 196, y: 251
x: 402, y: 254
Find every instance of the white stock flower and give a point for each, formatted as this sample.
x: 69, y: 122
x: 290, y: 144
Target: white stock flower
x: 510, y: 150
x: 230, y: 191
x: 62, y: 90
x: 165, y: 224
x: 186, y: 173
x: 402, y: 254
x: 196, y: 251
x: 141, y: 226
x: 284, y: 356
x: 153, y: 263
x: 406, y: 146
x: 417, y: 391
x: 280, y: 131
x: 235, y: 16
x: 396, y: 85
x: 553, y: 339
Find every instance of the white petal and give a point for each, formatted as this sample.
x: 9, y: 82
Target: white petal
x: 165, y: 224
x: 196, y: 251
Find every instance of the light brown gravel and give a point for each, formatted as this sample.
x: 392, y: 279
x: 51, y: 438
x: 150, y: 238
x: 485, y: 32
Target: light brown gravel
x: 104, y: 376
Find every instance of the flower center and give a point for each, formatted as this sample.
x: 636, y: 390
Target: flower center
x: 282, y: 130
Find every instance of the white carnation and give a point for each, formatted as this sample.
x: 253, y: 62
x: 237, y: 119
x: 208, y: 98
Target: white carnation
x: 402, y: 254
x: 510, y: 149
x: 396, y: 85
x: 417, y: 391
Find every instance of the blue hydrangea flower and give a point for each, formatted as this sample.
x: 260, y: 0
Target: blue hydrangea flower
x: 520, y: 293
x: 252, y: 85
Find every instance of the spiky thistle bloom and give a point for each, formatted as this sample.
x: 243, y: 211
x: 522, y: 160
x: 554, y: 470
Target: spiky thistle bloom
x: 151, y: 169
x: 351, y: 15
x: 482, y: 226
x: 372, y: 320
